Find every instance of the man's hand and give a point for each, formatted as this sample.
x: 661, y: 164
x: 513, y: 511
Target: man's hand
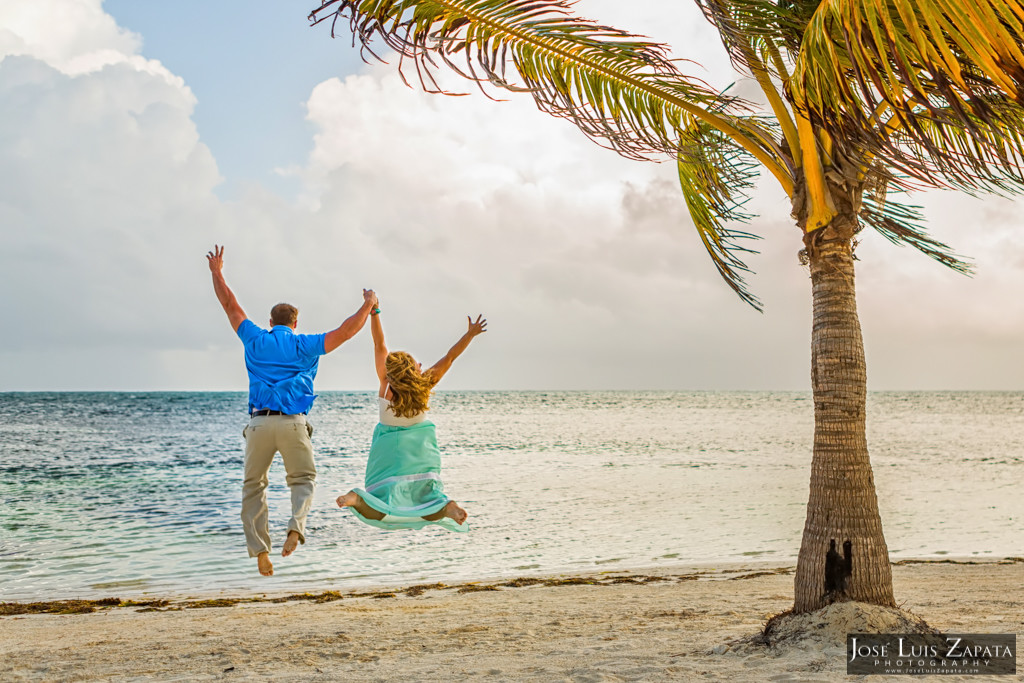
x: 352, y: 324
x: 216, y: 259
x: 224, y: 294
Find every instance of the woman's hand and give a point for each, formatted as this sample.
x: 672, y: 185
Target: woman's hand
x: 478, y: 327
x: 442, y: 366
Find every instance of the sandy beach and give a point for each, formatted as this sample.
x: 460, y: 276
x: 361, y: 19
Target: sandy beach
x: 685, y: 624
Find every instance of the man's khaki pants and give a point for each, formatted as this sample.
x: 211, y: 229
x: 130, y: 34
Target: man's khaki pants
x: 266, y: 435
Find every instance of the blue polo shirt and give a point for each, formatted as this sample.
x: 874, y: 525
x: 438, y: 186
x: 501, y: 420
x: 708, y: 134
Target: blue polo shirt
x: 281, y: 367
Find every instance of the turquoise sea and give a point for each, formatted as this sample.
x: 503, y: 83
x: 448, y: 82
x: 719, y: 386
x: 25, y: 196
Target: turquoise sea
x: 133, y: 494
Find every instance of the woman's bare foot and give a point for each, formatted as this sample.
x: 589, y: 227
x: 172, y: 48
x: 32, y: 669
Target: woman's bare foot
x: 452, y: 511
x: 350, y: 499
x: 265, y: 565
x: 354, y: 500
x: 290, y: 543
x: 455, y: 512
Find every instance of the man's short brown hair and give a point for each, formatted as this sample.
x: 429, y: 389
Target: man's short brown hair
x: 284, y: 314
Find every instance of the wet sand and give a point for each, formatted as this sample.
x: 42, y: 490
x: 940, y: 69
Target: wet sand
x: 684, y: 624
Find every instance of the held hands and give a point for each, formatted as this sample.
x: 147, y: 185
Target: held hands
x: 478, y: 327
x: 216, y: 259
x: 370, y: 297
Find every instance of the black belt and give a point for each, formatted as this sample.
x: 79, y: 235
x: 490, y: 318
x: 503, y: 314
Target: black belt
x: 260, y: 413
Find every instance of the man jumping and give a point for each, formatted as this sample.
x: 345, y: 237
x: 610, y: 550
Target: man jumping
x: 282, y: 366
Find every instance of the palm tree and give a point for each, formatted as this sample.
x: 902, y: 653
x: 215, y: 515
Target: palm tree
x: 625, y: 93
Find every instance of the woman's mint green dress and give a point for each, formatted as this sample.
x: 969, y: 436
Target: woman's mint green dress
x: 403, y: 474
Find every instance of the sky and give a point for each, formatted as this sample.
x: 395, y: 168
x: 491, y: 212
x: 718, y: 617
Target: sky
x: 135, y: 135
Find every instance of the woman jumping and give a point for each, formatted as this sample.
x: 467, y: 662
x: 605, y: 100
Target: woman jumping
x: 403, y: 488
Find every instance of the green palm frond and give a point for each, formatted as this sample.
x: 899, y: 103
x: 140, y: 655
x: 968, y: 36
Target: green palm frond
x: 750, y: 28
x: 901, y: 224
x: 939, y: 75
x: 618, y: 88
x: 906, y: 52
x: 752, y: 31
x: 716, y: 177
x: 799, y: 14
x: 947, y: 148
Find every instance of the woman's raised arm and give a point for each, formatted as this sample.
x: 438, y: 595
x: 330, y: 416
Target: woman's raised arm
x: 442, y: 366
x: 380, y: 349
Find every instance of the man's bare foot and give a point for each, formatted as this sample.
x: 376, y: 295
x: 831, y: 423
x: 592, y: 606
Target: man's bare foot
x: 455, y: 512
x: 265, y: 565
x: 290, y: 544
x: 350, y: 499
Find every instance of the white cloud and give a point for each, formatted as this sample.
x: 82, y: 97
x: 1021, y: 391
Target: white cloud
x: 931, y: 328
x: 70, y: 35
x: 464, y: 204
x: 104, y: 181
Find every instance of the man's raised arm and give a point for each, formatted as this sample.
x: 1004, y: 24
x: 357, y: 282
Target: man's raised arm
x: 224, y: 294
x: 352, y: 324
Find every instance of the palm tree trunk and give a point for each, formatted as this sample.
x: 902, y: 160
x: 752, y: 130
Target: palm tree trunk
x: 843, y: 555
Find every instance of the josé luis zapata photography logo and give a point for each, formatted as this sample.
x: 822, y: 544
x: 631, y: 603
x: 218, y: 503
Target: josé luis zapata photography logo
x: 960, y: 654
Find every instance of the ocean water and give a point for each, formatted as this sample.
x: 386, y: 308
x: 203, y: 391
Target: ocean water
x: 138, y: 494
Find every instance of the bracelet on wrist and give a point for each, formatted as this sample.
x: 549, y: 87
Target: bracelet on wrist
x: 375, y: 311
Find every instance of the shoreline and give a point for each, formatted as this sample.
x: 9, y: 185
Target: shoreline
x: 204, y: 600
x: 608, y: 626
x: 688, y: 571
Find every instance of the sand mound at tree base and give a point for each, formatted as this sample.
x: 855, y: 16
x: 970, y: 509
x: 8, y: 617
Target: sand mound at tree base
x: 829, y: 626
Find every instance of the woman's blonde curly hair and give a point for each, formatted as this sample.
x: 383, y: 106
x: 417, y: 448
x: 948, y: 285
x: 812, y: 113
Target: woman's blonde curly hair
x: 410, y: 388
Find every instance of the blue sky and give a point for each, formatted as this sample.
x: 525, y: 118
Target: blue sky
x: 136, y: 134
x: 251, y: 65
